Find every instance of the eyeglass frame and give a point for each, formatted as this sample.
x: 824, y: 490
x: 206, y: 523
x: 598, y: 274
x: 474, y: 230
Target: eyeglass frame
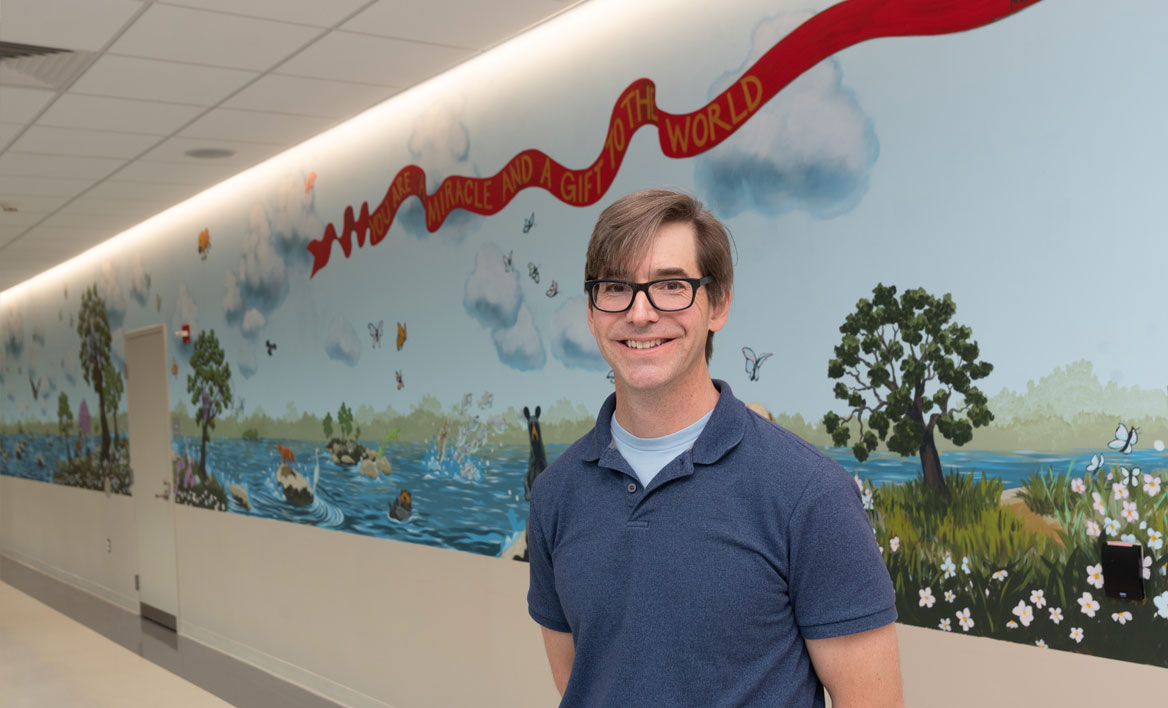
x: 695, y: 283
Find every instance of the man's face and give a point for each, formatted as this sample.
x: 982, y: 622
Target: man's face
x: 650, y: 350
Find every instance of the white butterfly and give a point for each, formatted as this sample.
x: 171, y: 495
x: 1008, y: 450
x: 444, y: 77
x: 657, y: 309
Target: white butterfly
x: 1131, y: 476
x: 753, y: 362
x: 1095, y: 464
x: 1124, y: 439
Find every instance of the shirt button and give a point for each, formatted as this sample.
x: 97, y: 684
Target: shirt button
x: 632, y: 487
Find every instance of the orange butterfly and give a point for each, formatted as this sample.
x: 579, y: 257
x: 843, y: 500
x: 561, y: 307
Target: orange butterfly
x: 401, y: 335
x: 204, y: 243
x: 309, y: 182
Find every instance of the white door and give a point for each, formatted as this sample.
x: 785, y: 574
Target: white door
x: 149, y: 412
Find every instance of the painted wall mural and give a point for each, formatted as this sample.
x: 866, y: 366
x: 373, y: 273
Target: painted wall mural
x: 930, y: 286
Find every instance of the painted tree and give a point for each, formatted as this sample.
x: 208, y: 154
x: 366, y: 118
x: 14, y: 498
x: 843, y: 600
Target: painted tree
x: 345, y: 420
x: 64, y: 421
x: 328, y: 426
x: 94, y: 330
x: 905, y: 366
x: 209, y: 386
x: 84, y: 422
x: 114, y: 388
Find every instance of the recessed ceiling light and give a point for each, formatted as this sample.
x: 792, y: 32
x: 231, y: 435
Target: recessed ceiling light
x: 209, y: 153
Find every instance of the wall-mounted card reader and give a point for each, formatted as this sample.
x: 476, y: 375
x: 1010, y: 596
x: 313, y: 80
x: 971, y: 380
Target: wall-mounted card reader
x: 1123, y: 565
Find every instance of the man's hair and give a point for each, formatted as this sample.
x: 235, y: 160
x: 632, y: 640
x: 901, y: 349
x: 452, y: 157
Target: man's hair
x: 626, y: 229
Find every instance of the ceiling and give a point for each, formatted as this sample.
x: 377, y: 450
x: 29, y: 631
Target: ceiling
x: 94, y: 139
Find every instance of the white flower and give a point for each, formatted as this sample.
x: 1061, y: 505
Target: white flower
x: 1111, y: 525
x: 965, y: 620
x: 1077, y: 634
x: 1119, y: 490
x: 894, y: 543
x: 859, y: 484
x: 1155, y: 539
x: 1161, y: 603
x: 1011, y: 625
x: 1056, y: 614
x: 1078, y: 486
x: 1038, y: 597
x: 927, y: 598
x: 1040, y: 644
x: 1147, y: 568
x: 868, y: 499
x: 1093, y: 529
x: 1095, y: 575
x: 1151, y: 484
x: 945, y: 625
x: 948, y: 567
x: 1088, y: 604
x: 1000, y: 576
x: 1121, y: 617
x: 1128, y: 538
x: 950, y: 596
x: 1098, y: 503
x: 1130, y: 513
x: 966, y: 566
x: 1024, y: 613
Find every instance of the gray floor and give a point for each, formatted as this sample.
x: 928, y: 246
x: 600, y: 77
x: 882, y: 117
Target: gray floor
x: 242, y: 685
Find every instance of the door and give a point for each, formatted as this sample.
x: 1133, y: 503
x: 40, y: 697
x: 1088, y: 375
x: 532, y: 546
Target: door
x: 149, y: 413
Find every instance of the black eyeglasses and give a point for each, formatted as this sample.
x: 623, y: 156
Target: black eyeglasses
x: 666, y: 295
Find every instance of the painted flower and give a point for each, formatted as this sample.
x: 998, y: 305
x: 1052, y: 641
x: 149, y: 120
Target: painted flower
x: 1011, y: 625
x: 1130, y: 513
x: 1093, y: 529
x: 966, y: 566
x: 1056, y: 614
x: 1121, y: 617
x: 1119, y: 490
x: 1038, y: 597
x: 1155, y: 539
x: 950, y: 596
x: 1024, y: 613
x: 1161, y: 603
x: 1077, y: 634
x: 894, y: 543
x: 965, y: 620
x: 1099, y: 508
x: 1088, y: 604
x: 948, y: 567
x: 927, y: 598
x: 1078, y: 485
x: 1151, y: 484
x: 868, y: 499
x: 1040, y: 644
x: 1095, y: 575
x: 945, y: 625
x: 859, y: 484
x: 1000, y: 576
x: 1128, y: 538
x: 1111, y: 525
x: 1147, y: 568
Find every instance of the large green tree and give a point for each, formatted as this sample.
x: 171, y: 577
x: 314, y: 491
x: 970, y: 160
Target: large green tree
x: 94, y: 330
x: 114, y: 388
x: 64, y: 421
x: 904, y: 365
x: 209, y: 386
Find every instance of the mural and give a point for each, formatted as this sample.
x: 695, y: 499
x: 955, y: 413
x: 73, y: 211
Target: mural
x: 926, y: 288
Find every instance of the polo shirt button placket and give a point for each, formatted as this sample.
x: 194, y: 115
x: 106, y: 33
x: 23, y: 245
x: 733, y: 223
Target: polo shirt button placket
x: 632, y: 489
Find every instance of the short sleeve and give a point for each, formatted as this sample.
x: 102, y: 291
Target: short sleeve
x: 838, y: 581
x: 543, y: 602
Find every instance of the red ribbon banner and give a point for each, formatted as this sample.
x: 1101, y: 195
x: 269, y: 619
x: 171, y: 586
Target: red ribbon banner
x: 681, y: 135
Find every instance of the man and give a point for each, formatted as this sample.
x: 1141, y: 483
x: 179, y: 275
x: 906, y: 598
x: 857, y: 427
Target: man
x: 687, y: 552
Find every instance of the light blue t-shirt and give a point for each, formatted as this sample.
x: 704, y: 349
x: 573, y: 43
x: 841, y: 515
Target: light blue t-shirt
x: 648, y: 455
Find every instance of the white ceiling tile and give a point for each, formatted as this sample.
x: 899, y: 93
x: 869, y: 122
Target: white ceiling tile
x: 8, y: 131
x: 254, y: 126
x: 65, y: 24
x: 23, y: 164
x: 246, y: 154
x: 15, y: 187
x: 345, y: 56
x: 19, y: 220
x: 98, y: 206
x: 121, y: 114
x: 39, y: 205
x: 91, y: 223
x: 309, y: 97
x: 137, y: 191
x: 153, y: 80
x: 20, y: 105
x: 196, y: 173
x: 474, y: 25
x: 87, y: 143
x: 309, y: 12
x: 214, y: 38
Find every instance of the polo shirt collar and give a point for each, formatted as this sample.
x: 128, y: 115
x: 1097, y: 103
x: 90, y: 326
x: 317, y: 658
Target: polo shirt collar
x: 721, y: 434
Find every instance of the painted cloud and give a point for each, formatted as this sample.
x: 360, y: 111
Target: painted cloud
x: 811, y: 148
x: 111, y: 294
x: 492, y: 294
x: 440, y: 144
x: 246, y: 361
x: 520, y: 346
x: 342, y: 342
x: 253, y: 322
x: 571, y: 341
x: 139, y: 281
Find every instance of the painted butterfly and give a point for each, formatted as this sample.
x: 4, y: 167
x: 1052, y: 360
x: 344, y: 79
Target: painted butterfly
x: 753, y: 362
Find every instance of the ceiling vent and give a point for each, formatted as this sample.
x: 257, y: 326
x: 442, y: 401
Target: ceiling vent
x: 40, y: 67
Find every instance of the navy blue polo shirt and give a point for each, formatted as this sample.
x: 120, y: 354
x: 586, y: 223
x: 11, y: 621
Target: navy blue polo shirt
x: 700, y: 589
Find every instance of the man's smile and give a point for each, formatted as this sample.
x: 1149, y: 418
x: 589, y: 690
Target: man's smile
x: 644, y: 343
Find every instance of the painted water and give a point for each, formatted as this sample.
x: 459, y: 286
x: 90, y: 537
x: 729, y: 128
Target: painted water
x: 475, y: 504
